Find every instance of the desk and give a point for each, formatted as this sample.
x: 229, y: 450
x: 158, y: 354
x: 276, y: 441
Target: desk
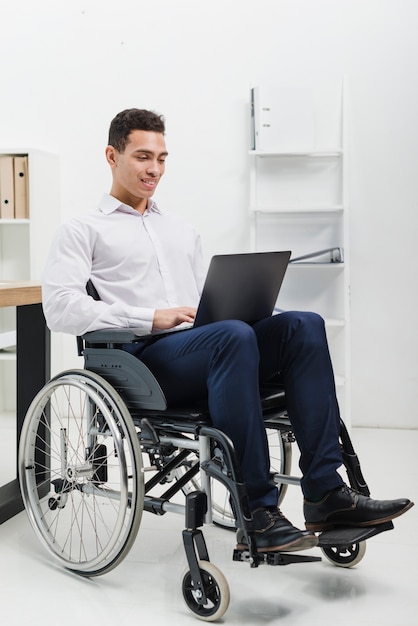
x: 32, y: 368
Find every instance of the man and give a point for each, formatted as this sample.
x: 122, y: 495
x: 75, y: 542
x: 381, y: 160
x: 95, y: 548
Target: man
x: 148, y: 270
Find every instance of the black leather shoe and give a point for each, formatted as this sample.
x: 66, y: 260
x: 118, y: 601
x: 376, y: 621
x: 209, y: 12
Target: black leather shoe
x: 274, y: 533
x: 346, y: 507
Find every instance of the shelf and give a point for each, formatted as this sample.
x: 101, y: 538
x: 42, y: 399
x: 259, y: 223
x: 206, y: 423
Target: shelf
x: 307, y: 265
x: 337, y: 208
x: 298, y: 201
x: 332, y: 152
x: 14, y: 221
x: 24, y: 245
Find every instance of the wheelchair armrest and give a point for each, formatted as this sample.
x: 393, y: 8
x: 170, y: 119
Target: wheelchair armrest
x: 115, y: 335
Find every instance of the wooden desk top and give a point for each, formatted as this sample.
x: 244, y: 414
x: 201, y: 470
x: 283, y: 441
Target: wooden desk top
x: 18, y: 293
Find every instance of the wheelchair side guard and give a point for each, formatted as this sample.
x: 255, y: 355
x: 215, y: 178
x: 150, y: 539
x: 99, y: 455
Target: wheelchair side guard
x: 128, y: 375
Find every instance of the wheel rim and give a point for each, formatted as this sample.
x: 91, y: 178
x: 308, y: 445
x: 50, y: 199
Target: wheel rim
x: 83, y: 493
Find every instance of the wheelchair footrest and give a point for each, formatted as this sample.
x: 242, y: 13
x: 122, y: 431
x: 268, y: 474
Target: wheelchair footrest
x: 274, y: 558
x: 348, y: 535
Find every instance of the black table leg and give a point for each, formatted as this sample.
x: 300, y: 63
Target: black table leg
x: 32, y: 372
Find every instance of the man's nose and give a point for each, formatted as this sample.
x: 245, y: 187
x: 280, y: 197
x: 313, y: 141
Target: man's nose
x: 154, y: 168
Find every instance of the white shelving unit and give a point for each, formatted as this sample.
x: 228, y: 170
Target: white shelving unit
x: 299, y: 202
x: 23, y: 250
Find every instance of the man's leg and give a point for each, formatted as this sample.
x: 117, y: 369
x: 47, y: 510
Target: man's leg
x: 295, y: 344
x: 220, y: 361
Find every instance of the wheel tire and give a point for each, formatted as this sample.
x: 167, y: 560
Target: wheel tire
x: 216, y: 589
x: 80, y: 471
x: 347, y: 556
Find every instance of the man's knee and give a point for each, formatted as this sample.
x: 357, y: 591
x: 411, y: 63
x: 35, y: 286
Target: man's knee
x: 306, y: 324
x: 236, y: 335
x: 306, y: 319
x: 303, y: 318
x: 236, y: 330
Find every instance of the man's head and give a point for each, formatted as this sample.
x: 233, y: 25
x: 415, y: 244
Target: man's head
x: 136, y: 154
x: 133, y: 119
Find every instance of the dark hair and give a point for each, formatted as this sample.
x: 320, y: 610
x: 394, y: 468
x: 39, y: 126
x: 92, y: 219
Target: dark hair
x: 133, y: 119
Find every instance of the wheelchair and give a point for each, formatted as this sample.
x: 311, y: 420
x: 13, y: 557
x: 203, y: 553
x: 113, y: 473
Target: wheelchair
x: 99, y: 446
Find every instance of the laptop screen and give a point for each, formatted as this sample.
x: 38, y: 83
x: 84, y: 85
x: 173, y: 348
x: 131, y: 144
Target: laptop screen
x: 242, y: 286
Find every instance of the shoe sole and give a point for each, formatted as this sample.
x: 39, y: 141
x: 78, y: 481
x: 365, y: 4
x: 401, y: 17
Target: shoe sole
x: 303, y: 543
x: 318, y: 527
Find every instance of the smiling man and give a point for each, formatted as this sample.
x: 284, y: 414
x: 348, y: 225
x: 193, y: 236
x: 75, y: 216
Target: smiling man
x: 138, y: 163
x: 146, y: 265
x: 148, y: 270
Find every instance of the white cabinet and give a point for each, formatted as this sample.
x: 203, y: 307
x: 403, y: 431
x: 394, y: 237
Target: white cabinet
x: 299, y: 202
x: 24, y: 244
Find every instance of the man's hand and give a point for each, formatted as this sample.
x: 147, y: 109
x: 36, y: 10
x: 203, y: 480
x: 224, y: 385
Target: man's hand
x: 169, y: 318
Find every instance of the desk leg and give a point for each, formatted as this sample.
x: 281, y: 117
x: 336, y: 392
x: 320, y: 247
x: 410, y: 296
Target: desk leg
x: 32, y: 372
x: 33, y: 357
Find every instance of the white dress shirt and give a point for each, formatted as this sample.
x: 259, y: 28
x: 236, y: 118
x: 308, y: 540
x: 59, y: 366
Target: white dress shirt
x: 137, y: 263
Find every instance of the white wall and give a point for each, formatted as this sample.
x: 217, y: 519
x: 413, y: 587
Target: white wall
x: 68, y: 67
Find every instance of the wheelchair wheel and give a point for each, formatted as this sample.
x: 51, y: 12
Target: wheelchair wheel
x: 216, y: 590
x: 347, y: 556
x: 280, y: 462
x: 80, y: 470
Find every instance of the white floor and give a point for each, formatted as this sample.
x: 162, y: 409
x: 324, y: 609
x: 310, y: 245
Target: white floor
x: 145, y: 588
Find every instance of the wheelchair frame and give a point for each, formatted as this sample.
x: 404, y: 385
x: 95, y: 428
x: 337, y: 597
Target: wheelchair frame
x: 85, y: 487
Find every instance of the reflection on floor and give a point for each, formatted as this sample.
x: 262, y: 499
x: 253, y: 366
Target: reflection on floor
x: 145, y: 588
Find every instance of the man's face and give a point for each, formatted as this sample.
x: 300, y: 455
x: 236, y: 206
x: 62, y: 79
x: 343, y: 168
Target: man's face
x: 137, y: 170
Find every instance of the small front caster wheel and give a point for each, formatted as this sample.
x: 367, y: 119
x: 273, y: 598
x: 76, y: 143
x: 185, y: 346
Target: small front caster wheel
x: 216, y: 590
x: 346, y: 556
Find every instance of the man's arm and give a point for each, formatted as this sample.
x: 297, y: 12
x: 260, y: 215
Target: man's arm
x: 66, y: 305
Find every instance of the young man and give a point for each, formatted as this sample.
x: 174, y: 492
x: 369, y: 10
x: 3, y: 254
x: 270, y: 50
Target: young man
x: 148, y: 270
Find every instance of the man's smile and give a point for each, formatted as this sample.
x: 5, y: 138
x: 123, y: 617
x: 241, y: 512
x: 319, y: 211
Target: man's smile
x: 149, y: 182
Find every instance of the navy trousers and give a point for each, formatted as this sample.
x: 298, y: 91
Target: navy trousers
x: 226, y: 361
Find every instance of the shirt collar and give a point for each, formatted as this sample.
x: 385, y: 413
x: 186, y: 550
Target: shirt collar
x: 109, y: 204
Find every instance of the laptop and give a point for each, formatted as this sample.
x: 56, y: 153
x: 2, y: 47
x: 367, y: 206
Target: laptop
x: 241, y: 286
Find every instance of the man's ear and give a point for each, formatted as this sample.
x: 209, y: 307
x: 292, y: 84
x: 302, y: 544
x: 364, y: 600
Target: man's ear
x: 111, y: 155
